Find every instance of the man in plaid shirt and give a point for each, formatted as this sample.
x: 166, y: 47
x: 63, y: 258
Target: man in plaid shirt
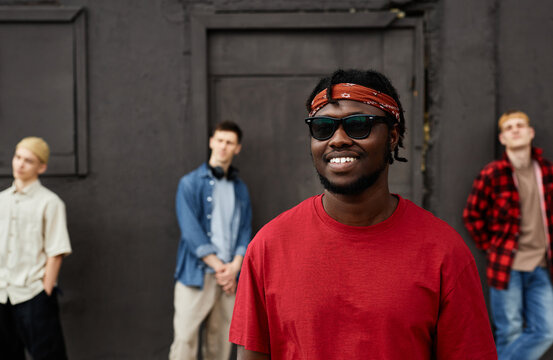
x: 509, y: 214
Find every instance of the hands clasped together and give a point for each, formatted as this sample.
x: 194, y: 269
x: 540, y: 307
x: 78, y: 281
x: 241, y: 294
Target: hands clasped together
x: 226, y: 277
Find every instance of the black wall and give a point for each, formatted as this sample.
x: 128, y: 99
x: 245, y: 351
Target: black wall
x: 483, y: 57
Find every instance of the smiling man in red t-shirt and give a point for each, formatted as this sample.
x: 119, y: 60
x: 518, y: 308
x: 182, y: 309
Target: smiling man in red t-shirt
x: 357, y: 272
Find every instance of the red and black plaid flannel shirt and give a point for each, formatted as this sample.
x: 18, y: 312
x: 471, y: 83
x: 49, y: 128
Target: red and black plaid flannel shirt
x: 492, y: 215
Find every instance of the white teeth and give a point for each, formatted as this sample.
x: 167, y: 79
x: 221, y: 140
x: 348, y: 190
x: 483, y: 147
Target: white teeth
x: 341, y: 160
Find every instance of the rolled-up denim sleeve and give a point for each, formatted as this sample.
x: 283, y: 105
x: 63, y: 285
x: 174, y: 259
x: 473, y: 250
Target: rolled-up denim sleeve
x: 188, y: 215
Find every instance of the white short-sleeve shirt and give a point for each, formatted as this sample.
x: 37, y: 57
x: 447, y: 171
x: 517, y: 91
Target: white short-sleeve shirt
x: 33, y: 228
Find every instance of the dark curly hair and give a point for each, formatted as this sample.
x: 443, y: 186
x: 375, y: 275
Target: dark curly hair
x: 371, y: 79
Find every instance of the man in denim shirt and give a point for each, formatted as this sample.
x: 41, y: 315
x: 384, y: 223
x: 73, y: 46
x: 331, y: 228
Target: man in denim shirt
x: 214, y: 214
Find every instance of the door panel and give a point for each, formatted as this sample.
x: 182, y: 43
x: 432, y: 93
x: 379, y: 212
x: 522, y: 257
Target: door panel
x: 291, y: 52
x: 261, y: 78
x: 275, y: 159
x: 398, y: 63
x: 42, y: 85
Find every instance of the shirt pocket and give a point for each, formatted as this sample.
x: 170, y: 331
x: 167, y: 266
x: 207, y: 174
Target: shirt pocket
x: 500, y: 215
x: 5, y: 209
x: 30, y: 233
x: 502, y: 206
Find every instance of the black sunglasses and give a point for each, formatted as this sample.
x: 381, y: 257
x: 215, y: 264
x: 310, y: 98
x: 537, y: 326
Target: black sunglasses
x: 356, y: 126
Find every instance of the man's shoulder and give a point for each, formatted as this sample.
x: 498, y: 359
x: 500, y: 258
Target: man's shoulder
x: 5, y: 194
x: 295, y: 213
x: 437, y: 233
x: 38, y: 193
x: 6, y: 191
x: 48, y: 194
x: 495, y: 170
x: 200, y: 170
x: 280, y: 232
x: 287, y: 221
x: 194, y: 175
x: 414, y: 211
x: 544, y: 162
x: 494, y: 166
x: 429, y: 223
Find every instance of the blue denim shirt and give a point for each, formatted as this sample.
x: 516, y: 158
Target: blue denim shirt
x: 194, y: 207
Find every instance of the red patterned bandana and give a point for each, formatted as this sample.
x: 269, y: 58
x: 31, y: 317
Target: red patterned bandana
x: 348, y: 91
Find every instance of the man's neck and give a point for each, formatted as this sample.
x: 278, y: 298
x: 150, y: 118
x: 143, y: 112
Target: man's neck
x: 521, y: 157
x: 371, y: 207
x: 213, y: 163
x: 20, y: 184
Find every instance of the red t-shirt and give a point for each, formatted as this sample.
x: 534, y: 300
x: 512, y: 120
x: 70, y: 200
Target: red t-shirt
x: 406, y: 288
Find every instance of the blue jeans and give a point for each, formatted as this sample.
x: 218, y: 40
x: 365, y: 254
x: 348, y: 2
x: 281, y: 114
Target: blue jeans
x: 523, y: 315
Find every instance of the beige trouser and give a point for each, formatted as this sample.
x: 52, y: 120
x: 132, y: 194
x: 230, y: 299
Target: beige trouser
x: 192, y: 307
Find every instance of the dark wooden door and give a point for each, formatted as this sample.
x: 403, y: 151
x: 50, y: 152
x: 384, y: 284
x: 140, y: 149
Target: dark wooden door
x: 260, y: 73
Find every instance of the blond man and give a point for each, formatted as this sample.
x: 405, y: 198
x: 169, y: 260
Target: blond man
x: 33, y: 242
x: 509, y: 214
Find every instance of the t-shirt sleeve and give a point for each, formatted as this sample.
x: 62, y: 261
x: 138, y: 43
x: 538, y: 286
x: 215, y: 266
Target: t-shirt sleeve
x: 249, y: 326
x: 463, y: 330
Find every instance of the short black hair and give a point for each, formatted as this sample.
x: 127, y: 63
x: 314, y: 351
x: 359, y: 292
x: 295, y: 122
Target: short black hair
x: 371, y: 79
x: 229, y: 126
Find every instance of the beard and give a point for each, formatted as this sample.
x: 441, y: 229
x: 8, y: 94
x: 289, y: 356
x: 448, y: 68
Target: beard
x: 362, y: 183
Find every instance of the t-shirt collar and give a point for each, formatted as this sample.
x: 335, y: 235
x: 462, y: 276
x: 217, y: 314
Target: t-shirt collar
x: 385, y: 225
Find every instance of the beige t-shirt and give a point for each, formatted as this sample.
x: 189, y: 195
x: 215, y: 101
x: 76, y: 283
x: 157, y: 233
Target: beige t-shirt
x: 532, y: 244
x: 32, y: 229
